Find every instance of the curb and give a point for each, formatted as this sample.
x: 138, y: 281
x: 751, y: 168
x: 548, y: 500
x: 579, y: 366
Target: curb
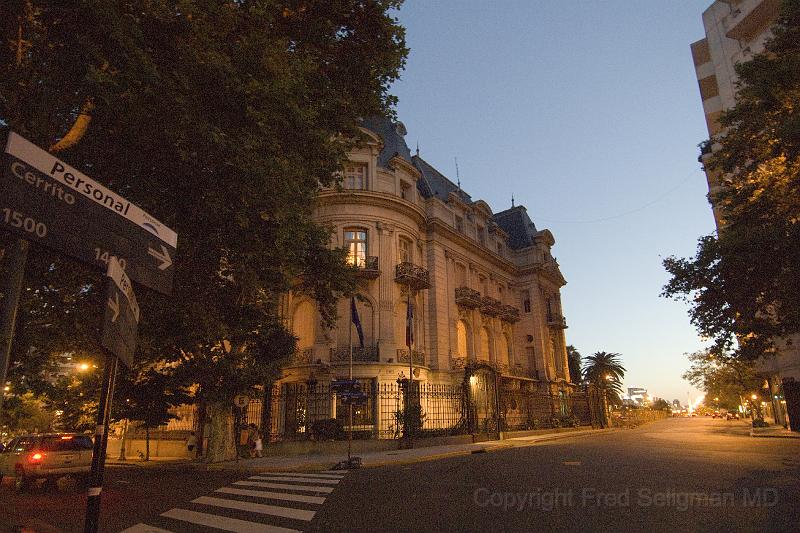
x: 773, y: 436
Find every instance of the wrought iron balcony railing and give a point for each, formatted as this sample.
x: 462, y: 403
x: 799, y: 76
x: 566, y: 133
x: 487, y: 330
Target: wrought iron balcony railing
x: 509, y: 313
x: 412, y: 275
x: 302, y: 357
x: 490, y: 306
x: 367, y: 354
x: 556, y: 321
x: 402, y: 356
x: 468, y: 297
x: 368, y: 267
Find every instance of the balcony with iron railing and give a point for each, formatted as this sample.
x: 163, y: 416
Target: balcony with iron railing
x: 555, y: 320
x: 304, y: 356
x: 402, y: 356
x: 467, y: 297
x: 490, y: 306
x: 411, y: 275
x: 367, y: 266
x: 509, y: 313
x: 367, y: 354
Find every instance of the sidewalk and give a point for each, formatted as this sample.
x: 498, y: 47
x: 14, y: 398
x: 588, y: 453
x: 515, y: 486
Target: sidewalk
x: 398, y: 457
x: 774, y: 432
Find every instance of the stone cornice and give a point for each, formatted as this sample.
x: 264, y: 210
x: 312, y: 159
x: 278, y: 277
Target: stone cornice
x: 399, y: 162
x: 439, y: 226
x: 375, y: 199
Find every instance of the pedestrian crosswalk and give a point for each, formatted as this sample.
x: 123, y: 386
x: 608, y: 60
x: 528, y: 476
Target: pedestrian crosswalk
x: 270, y: 502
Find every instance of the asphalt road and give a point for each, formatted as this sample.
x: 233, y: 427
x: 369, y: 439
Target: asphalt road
x: 673, y: 475
x: 678, y: 474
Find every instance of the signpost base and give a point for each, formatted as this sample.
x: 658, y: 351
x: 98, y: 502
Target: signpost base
x: 92, y: 521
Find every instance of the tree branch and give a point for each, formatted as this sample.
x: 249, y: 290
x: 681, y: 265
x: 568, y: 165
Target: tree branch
x: 78, y: 129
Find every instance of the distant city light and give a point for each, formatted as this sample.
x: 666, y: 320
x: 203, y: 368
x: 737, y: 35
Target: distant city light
x: 83, y: 367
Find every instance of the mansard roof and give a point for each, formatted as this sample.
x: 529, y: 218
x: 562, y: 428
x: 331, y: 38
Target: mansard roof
x: 519, y: 226
x: 393, y: 136
x: 436, y: 184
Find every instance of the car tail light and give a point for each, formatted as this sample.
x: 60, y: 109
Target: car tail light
x: 35, y: 457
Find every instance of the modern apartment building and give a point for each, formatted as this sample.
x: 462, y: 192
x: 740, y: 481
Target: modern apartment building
x: 735, y: 30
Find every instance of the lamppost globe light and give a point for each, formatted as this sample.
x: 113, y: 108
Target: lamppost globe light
x: 754, y: 397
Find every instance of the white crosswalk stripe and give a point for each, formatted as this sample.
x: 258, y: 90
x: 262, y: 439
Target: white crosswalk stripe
x: 297, y: 497
x: 298, y: 479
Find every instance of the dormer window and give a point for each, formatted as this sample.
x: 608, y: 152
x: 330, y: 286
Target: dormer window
x: 459, y: 224
x: 355, y: 176
x: 482, y: 235
x: 500, y: 249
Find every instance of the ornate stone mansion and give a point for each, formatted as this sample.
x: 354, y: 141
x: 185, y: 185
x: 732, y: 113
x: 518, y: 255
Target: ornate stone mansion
x: 485, y: 286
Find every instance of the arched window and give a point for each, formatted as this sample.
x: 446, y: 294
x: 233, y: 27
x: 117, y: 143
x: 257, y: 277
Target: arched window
x: 462, y: 342
x: 303, y: 324
x: 485, y: 353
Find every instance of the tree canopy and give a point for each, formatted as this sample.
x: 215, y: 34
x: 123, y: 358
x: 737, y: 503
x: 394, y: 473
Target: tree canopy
x: 726, y: 378
x: 742, y: 283
x: 605, y: 371
x: 222, y: 119
x: 574, y: 362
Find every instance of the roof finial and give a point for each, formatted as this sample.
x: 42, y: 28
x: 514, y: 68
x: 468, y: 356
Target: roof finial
x: 458, y: 178
x: 417, y: 148
x: 512, y: 200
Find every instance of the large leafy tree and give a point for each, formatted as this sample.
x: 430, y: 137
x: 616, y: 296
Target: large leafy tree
x: 605, y: 372
x: 742, y: 283
x: 722, y: 376
x: 223, y: 119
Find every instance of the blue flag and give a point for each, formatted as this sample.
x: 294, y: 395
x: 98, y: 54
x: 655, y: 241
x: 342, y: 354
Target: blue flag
x: 354, y: 318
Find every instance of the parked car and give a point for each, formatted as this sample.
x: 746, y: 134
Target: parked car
x: 48, y: 456
x: 732, y: 415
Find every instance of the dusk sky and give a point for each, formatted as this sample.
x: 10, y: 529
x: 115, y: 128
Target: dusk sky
x: 589, y: 114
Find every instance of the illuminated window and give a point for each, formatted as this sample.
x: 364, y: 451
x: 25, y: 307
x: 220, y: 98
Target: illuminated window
x: 355, y: 241
x: 355, y: 176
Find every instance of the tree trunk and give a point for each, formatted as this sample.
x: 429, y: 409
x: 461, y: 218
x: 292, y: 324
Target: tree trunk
x: 200, y: 429
x: 221, y: 442
x: 147, y: 443
x: 124, y: 441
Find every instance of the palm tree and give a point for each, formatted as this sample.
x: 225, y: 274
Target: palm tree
x: 605, y: 371
x: 574, y: 361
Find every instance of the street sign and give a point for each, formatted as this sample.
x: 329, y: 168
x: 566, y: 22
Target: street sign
x: 121, y: 318
x: 241, y: 401
x: 345, y: 385
x: 51, y: 203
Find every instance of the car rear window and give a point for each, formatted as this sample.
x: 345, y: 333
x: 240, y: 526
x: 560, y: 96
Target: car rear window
x: 66, y: 443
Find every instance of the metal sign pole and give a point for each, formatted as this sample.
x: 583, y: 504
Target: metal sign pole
x: 92, y: 521
x: 17, y: 257
x: 410, y: 340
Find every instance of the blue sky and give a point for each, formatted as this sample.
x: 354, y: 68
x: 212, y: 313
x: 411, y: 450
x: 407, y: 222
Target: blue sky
x: 588, y: 112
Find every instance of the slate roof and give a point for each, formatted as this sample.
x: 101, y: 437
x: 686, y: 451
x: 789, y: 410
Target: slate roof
x: 519, y: 226
x: 392, y: 134
x: 435, y: 184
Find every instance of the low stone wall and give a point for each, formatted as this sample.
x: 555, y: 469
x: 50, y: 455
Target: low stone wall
x: 158, y: 448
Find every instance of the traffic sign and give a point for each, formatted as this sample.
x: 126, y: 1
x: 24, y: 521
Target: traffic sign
x: 241, y: 401
x: 51, y: 203
x: 121, y: 318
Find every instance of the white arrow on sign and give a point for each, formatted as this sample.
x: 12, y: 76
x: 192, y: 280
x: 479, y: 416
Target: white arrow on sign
x: 114, y: 305
x: 163, y: 256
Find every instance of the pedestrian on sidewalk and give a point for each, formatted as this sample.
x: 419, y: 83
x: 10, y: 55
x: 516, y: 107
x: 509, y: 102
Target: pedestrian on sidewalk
x: 258, y: 445
x: 191, y: 443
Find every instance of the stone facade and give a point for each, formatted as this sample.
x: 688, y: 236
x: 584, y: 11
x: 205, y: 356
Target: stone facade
x: 484, y: 286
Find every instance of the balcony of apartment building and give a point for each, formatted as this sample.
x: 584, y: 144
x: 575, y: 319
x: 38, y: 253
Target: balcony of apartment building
x: 413, y: 276
x: 469, y: 298
x: 556, y: 320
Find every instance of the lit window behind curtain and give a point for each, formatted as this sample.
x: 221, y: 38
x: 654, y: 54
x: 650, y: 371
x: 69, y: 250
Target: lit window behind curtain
x: 355, y: 241
x: 405, y: 251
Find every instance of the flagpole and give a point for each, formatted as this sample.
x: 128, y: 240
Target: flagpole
x: 350, y: 403
x: 409, y: 342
